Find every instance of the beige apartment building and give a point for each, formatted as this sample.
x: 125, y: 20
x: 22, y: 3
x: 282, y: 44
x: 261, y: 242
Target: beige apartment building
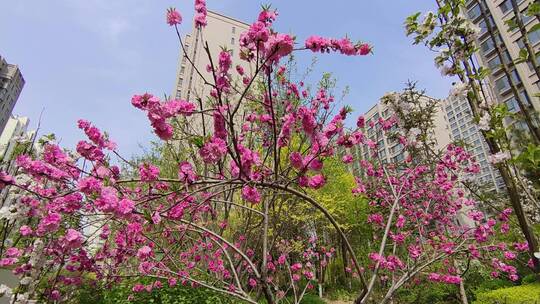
x: 511, y: 42
x: 11, y: 85
x: 391, y: 151
x: 221, y: 31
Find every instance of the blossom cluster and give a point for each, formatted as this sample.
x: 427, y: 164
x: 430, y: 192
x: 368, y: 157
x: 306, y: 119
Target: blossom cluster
x: 159, y: 112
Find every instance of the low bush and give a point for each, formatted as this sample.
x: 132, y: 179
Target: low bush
x: 523, y: 294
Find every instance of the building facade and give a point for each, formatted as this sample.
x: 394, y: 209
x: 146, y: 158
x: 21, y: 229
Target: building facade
x: 11, y: 85
x: 499, y: 14
x: 462, y: 128
x: 15, y: 139
x: 389, y: 150
x: 220, y: 32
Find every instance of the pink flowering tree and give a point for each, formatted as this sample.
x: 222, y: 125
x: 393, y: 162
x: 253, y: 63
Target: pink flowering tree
x: 455, y: 40
x: 260, y: 144
x: 209, y: 225
x: 427, y: 223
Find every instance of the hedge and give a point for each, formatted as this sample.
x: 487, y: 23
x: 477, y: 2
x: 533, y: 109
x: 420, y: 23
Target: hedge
x: 523, y: 294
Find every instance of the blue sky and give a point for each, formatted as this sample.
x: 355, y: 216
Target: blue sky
x: 86, y: 58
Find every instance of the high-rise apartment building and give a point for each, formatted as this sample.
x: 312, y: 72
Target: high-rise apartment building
x: 11, y: 84
x: 499, y: 13
x: 462, y: 128
x: 221, y: 31
x: 453, y: 122
x: 390, y: 150
x: 14, y: 140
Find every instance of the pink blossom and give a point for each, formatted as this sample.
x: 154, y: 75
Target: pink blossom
x: 125, y: 207
x: 400, y: 222
x: 344, y: 46
x: 144, y: 252
x: 148, y: 172
x: 145, y: 267
x: 375, y: 218
x: 509, y: 255
x: 5, y: 262
x: 296, y: 160
x: 5, y: 179
x: 252, y: 282
x: 173, y: 17
x: 213, y: 150
x: 49, y: 223
x: 200, y: 13
x: 317, y: 181
x: 278, y: 46
x: 25, y: 230
x: 296, y: 266
x: 347, y: 158
x: 13, y: 252
x: 251, y: 194
x: 73, y: 238
x: 414, y: 251
x: 240, y: 70
x: 186, y: 173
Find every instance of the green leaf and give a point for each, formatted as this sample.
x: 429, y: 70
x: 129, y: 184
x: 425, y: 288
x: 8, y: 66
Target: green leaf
x: 535, y: 28
x: 198, y: 141
x: 533, y: 9
x: 512, y: 24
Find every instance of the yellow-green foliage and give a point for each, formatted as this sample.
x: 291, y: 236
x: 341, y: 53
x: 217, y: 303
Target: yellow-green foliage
x: 524, y: 294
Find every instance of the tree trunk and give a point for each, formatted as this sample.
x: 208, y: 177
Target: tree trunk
x: 462, y: 293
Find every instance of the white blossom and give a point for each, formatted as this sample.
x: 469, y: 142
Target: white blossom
x: 483, y: 124
x: 499, y: 157
x: 459, y: 90
x: 25, y: 281
x: 5, y: 290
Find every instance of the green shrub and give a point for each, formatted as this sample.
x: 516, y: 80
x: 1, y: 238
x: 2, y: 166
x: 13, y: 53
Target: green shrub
x: 529, y: 279
x: 178, y: 295
x: 523, y: 294
x: 340, y: 294
x: 312, y: 299
x: 492, y: 284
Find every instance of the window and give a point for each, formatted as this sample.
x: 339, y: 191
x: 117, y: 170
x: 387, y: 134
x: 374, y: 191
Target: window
x: 524, y: 18
x: 234, y: 29
x: 506, y: 6
x: 537, y: 60
x: 502, y: 84
x: 474, y: 12
x: 488, y: 46
x: 483, y: 26
x: 495, y: 62
x: 534, y: 37
x: 513, y: 105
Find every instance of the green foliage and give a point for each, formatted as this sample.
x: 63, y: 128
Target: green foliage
x: 529, y: 161
x: 529, y: 279
x: 524, y: 294
x: 312, y: 299
x: 533, y: 9
x: 488, y: 285
x: 530, y: 158
x: 178, y: 295
x: 340, y: 294
x: 428, y: 292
